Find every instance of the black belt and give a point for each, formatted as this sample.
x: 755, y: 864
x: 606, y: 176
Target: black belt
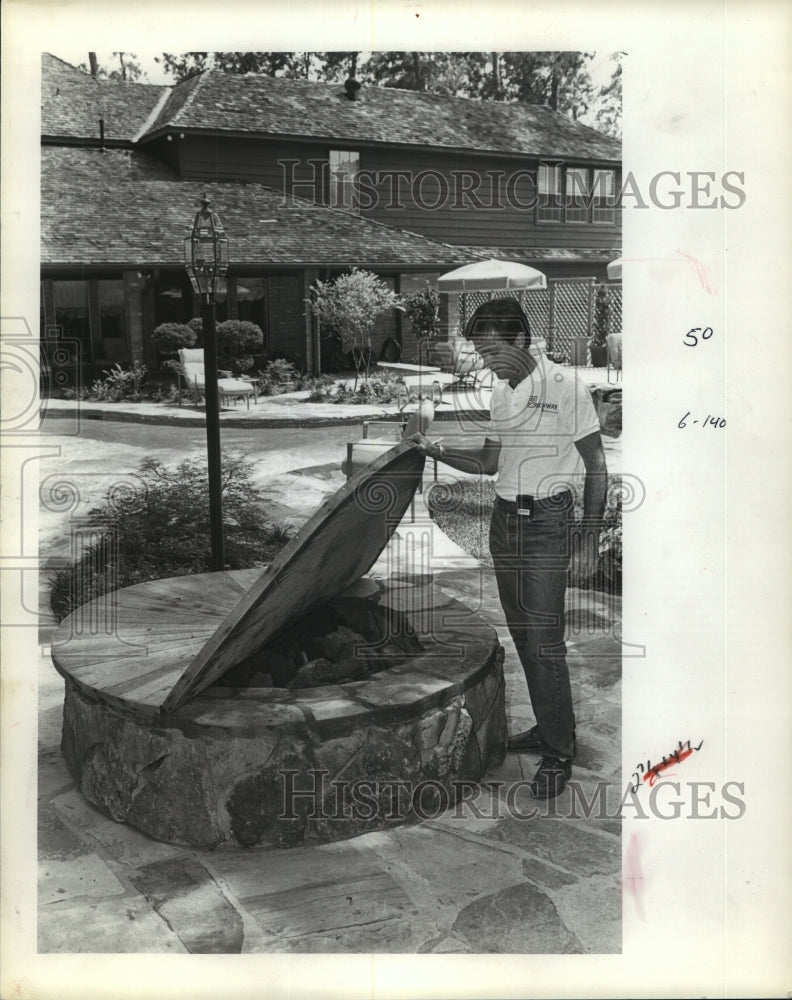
x: 555, y: 504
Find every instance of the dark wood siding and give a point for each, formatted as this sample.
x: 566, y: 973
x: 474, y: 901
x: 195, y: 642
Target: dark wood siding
x: 457, y: 199
x: 469, y: 201
x: 263, y: 161
x: 167, y: 151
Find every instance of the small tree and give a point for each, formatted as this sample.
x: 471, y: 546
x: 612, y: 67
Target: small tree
x: 349, y: 307
x: 423, y: 312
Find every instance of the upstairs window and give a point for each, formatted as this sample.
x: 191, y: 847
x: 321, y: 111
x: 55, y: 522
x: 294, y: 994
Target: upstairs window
x: 549, y: 206
x: 589, y: 195
x: 576, y: 194
x: 344, y: 165
x: 603, y: 209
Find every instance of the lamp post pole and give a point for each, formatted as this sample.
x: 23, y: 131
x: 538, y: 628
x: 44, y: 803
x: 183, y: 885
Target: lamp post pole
x: 206, y: 260
x: 212, y: 397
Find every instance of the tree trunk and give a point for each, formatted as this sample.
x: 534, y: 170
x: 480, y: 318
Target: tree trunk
x: 416, y: 61
x: 555, y: 74
x: 496, y: 76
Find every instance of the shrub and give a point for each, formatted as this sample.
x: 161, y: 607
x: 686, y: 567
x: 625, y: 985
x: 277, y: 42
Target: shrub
x: 236, y: 336
x: 119, y: 383
x: 380, y: 388
x: 280, y: 370
x: 161, y: 529
x: 236, y: 341
x: 171, y: 337
x: 314, y: 382
x: 423, y: 312
x: 322, y: 388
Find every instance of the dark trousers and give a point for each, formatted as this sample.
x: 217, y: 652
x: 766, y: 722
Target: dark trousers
x: 531, y: 556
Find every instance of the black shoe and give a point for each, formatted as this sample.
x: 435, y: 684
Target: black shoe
x: 527, y: 742
x: 551, y: 778
x: 530, y: 742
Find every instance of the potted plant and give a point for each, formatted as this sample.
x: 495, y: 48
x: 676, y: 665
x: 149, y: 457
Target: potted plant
x: 423, y: 312
x: 598, y: 346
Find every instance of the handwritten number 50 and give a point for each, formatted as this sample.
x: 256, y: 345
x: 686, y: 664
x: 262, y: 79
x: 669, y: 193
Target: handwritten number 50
x: 691, y: 339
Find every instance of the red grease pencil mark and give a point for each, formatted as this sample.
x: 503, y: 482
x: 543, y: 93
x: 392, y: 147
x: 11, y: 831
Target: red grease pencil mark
x: 676, y: 757
x: 651, y: 773
x: 701, y: 271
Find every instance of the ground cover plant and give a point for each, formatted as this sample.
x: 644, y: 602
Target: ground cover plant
x: 161, y: 529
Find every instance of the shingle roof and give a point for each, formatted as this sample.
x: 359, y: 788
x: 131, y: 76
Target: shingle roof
x: 531, y: 255
x: 258, y: 104
x: 72, y: 102
x: 53, y: 68
x: 115, y: 206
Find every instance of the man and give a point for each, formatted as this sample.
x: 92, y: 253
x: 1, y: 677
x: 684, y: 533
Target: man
x: 543, y: 425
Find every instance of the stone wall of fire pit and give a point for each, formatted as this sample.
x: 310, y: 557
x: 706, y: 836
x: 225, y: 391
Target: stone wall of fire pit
x: 255, y: 765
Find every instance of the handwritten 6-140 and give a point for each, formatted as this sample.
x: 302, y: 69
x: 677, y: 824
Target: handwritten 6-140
x: 708, y: 421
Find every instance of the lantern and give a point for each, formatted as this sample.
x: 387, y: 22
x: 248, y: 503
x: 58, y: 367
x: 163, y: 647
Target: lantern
x: 206, y: 252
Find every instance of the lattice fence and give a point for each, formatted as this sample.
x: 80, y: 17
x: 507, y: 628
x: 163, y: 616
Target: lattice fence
x: 613, y: 291
x: 559, y: 313
x: 535, y: 304
x: 571, y: 308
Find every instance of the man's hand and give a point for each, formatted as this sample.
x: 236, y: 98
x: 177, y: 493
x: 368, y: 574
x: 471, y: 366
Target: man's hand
x: 585, y: 556
x: 476, y: 460
x: 424, y: 445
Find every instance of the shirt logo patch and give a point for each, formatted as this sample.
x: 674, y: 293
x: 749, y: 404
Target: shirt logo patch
x: 534, y: 404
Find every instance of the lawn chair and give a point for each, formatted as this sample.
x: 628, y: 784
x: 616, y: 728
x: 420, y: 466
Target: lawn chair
x: 191, y: 361
x: 423, y: 381
x: 459, y: 357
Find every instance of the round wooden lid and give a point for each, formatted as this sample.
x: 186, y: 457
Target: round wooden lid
x: 337, y: 546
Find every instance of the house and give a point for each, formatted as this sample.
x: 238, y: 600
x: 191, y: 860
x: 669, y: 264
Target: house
x: 308, y: 179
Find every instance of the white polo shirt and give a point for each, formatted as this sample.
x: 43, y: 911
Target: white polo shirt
x: 537, y: 425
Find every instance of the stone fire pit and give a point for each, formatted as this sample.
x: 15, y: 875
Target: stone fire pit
x: 180, y: 720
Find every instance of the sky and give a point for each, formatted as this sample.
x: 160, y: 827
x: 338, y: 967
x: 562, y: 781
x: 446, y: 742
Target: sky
x: 600, y: 68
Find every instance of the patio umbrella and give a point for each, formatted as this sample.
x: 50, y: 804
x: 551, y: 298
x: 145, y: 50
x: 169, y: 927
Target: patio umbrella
x: 491, y: 275
x: 614, y: 269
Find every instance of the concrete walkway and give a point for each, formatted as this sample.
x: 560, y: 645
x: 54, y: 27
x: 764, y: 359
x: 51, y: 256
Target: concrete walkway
x: 490, y: 876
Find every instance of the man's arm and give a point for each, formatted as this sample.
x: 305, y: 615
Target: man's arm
x: 596, y: 484
x: 483, y: 460
x: 585, y: 547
